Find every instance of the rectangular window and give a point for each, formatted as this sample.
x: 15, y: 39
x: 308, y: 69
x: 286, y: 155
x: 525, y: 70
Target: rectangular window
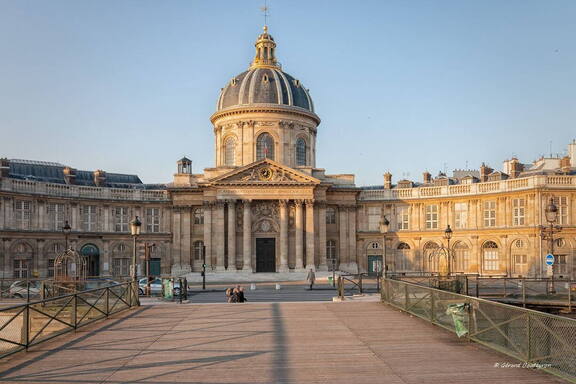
x: 89, y: 219
x: 121, y: 219
x: 121, y: 266
x: 23, y: 214
x: 153, y: 220
x: 21, y: 269
x: 402, y: 218
x: 560, y: 266
x: 460, y: 215
x: 491, y: 260
x: 518, y: 211
x: 489, y: 213
x: 330, y: 215
x: 374, y: 214
x: 55, y: 213
x: 50, y: 267
x: 432, y: 216
x: 562, y: 203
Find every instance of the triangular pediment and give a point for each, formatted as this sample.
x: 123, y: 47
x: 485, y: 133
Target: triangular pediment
x: 265, y: 172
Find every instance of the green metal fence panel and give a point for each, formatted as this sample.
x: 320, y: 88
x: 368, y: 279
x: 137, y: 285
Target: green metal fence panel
x: 538, y: 339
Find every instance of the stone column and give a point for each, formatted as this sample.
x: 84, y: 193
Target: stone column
x: 283, y: 236
x: 343, y: 243
x: 310, y: 262
x: 247, y: 237
x: 354, y: 265
x: 75, y: 223
x: 219, y: 232
x: 298, y: 236
x: 176, y: 242
x: 231, y: 235
x: 186, y: 246
x: 2, y: 212
x: 208, y: 231
x: 42, y: 222
x: 322, y: 237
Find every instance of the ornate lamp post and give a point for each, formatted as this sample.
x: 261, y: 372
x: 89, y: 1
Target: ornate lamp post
x: 135, y: 231
x: 66, y: 229
x: 448, y: 236
x: 547, y: 233
x: 384, y: 227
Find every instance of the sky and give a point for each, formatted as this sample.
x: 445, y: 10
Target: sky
x: 401, y: 86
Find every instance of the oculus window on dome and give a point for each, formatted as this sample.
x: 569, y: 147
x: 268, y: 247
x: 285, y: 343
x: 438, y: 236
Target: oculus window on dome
x: 265, y: 147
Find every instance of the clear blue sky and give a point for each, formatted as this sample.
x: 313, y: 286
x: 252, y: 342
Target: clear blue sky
x: 401, y: 86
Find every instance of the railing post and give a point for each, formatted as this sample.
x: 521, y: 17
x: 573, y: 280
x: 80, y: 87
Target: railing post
x: 529, y: 337
x: 360, y: 282
x: 523, y: 293
x: 477, y: 286
x: 432, y: 309
x: 505, y: 286
x: 75, y: 310
x: 406, y: 297
x: 26, y: 325
x: 107, y: 298
x: 466, y: 285
x: 569, y: 297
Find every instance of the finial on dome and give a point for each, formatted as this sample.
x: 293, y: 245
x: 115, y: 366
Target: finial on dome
x: 265, y: 51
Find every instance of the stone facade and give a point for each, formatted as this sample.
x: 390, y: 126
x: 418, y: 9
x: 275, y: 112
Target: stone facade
x: 266, y: 207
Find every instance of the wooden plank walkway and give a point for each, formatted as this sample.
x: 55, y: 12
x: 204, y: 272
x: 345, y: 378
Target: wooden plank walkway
x: 362, y: 342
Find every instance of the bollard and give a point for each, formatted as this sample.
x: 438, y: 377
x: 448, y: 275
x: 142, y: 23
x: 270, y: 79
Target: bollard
x: 252, y: 287
x: 277, y: 287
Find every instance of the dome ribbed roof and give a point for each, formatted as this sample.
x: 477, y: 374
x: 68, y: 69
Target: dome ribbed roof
x: 264, y: 86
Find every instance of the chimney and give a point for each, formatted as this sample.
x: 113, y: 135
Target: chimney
x: 565, y: 164
x: 100, y: 178
x: 514, y: 168
x: 572, y: 153
x: 484, y: 172
x: 4, y: 168
x: 387, y: 180
x: 426, y: 177
x: 69, y: 175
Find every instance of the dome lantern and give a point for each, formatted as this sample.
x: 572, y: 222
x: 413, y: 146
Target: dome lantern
x: 265, y: 55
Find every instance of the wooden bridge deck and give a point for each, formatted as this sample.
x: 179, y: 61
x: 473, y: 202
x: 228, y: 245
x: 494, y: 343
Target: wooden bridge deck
x: 364, y: 342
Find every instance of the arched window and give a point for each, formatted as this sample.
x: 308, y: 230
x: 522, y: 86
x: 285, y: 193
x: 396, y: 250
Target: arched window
x: 300, y: 152
x: 519, y: 257
x: 265, y: 147
x: 198, y: 216
x: 490, y: 257
x: 198, y: 249
x: 230, y: 152
x: 431, y: 256
x: 402, y: 257
x: 462, y: 257
x: 52, y: 251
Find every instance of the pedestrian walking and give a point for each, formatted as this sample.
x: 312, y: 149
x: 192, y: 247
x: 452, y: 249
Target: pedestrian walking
x: 311, y: 278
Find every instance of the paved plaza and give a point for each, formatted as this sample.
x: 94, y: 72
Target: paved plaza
x: 313, y: 342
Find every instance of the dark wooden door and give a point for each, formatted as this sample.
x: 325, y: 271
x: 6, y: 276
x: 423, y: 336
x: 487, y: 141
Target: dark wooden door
x: 266, y: 255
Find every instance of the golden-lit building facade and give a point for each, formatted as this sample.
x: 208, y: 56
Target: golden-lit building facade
x: 265, y: 206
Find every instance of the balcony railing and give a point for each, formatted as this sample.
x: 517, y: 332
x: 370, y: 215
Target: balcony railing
x: 62, y: 190
x: 470, y: 189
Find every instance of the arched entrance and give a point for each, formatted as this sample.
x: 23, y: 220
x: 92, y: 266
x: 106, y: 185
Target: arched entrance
x: 92, y: 255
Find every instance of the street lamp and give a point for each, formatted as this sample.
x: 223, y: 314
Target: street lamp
x: 66, y: 229
x: 384, y: 227
x: 547, y: 233
x: 448, y: 235
x: 135, y: 231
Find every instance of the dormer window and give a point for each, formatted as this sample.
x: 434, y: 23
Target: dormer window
x: 297, y: 83
x: 265, y: 79
x: 233, y: 82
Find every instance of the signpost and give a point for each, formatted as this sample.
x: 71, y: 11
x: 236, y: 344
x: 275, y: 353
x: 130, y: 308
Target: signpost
x: 550, y: 259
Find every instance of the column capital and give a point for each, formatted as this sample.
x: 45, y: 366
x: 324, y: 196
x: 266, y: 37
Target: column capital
x: 208, y: 204
x: 309, y: 202
x: 321, y: 204
x: 246, y: 201
x: 220, y: 203
x: 231, y: 201
x: 283, y: 202
x: 298, y: 202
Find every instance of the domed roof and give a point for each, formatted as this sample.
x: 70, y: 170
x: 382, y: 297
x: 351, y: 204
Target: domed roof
x: 264, y: 82
x: 264, y: 86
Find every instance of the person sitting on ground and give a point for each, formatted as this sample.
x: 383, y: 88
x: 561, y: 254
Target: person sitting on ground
x: 229, y: 295
x: 240, y: 295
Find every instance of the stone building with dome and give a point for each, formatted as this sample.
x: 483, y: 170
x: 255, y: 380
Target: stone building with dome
x: 266, y: 206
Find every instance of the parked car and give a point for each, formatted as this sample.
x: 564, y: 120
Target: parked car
x: 21, y: 290
x: 98, y: 283
x: 155, y: 286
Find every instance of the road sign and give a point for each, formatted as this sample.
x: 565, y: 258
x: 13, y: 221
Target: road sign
x: 549, y: 259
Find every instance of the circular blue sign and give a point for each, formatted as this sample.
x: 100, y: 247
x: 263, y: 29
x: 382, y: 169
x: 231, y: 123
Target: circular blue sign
x: 549, y: 259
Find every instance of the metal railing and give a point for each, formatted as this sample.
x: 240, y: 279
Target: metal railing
x: 25, y: 325
x: 538, y: 339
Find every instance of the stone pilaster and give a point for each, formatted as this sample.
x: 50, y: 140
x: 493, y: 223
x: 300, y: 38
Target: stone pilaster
x: 176, y: 242
x: 232, y: 235
x: 353, y: 256
x: 208, y: 232
x: 247, y: 237
x: 298, y: 236
x: 3, y: 212
x: 343, y: 243
x: 310, y: 263
x: 186, y: 247
x: 283, y: 236
x: 219, y: 232
x: 322, y: 237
